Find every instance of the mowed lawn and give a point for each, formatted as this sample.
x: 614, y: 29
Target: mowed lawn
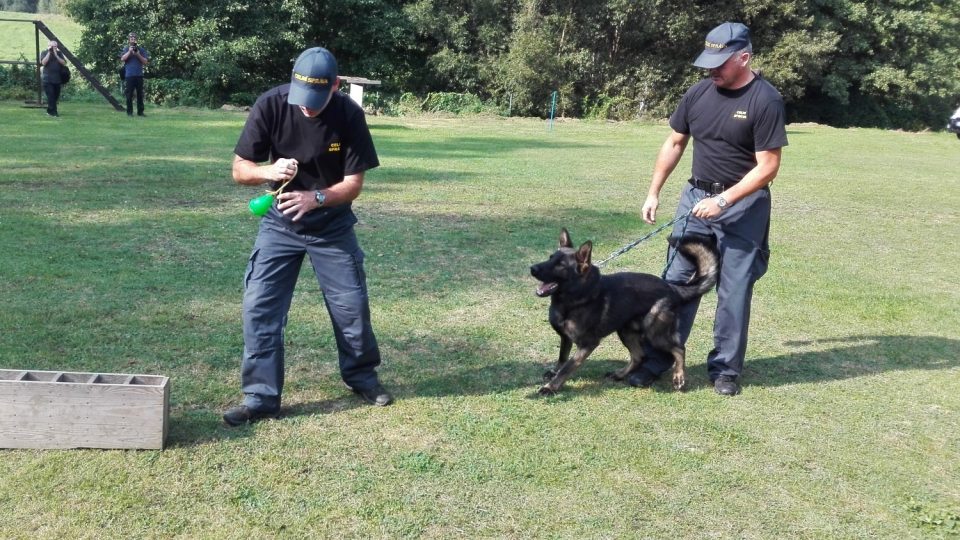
x: 123, y: 248
x: 18, y: 38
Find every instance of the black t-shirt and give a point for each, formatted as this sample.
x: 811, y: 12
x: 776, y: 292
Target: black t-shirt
x: 729, y: 126
x: 335, y: 144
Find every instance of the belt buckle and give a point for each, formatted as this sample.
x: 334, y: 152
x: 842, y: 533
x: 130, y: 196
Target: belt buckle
x: 716, y: 188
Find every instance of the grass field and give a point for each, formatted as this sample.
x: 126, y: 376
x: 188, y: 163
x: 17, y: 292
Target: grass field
x: 20, y: 38
x: 124, y: 243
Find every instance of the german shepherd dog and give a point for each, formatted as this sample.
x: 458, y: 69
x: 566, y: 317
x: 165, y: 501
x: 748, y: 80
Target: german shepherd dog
x: 586, y: 307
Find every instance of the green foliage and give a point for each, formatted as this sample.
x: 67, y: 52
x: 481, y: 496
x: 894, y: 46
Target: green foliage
x: 439, y: 102
x: 452, y: 102
x: 886, y: 64
x: 609, y: 108
x: 230, y: 49
x: 935, y: 519
x: 17, y: 81
x: 24, y: 6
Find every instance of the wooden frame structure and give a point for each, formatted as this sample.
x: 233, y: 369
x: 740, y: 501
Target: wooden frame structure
x: 40, y: 28
x: 58, y: 409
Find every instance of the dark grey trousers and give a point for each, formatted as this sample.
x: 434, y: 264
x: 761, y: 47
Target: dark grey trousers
x: 268, y: 290
x: 741, y: 233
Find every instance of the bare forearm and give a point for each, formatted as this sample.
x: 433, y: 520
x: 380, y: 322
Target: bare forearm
x: 667, y: 160
x: 344, y: 192
x: 248, y: 173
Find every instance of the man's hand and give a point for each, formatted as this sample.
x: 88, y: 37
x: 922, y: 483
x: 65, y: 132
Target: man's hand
x: 707, y: 209
x: 297, y: 203
x: 649, y: 211
x: 281, y: 170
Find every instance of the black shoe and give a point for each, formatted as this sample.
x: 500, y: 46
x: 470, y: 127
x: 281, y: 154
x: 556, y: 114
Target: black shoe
x: 243, y: 414
x: 377, y: 395
x: 140, y: 114
x: 725, y: 385
x: 53, y: 115
x: 641, y: 378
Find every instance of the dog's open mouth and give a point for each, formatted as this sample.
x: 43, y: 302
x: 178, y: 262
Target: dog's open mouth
x: 546, y: 289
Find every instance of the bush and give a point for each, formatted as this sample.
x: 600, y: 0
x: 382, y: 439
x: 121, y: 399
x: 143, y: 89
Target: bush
x: 456, y: 103
x: 174, y: 92
x: 605, y: 107
x: 18, y: 82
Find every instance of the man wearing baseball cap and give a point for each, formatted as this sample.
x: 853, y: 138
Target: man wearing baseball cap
x: 737, y: 122
x: 313, y: 142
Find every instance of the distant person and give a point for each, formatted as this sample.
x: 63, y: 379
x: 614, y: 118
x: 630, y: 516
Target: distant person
x: 52, y: 62
x: 134, y: 58
x: 737, y: 122
x: 315, y: 140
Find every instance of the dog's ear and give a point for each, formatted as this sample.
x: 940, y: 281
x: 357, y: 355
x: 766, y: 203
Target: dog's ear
x: 565, y: 241
x: 583, y: 257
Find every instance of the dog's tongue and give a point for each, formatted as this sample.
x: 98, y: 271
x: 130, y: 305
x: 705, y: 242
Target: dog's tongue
x: 546, y: 289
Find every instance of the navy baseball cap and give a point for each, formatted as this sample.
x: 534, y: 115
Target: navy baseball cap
x: 314, y: 74
x: 721, y: 43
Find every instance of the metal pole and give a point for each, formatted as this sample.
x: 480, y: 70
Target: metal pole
x: 553, y: 108
x: 36, y: 33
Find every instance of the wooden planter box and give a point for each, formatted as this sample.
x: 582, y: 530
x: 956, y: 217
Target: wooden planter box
x: 57, y: 409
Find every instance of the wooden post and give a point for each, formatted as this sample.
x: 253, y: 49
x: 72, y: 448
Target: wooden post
x: 356, y: 87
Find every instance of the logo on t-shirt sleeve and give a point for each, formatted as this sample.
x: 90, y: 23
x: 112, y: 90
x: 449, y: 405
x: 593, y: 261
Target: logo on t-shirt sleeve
x: 334, y: 147
x: 740, y: 115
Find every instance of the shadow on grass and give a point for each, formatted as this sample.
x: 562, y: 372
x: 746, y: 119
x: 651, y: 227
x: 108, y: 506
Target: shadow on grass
x: 201, y: 426
x: 854, y: 356
x: 477, y: 375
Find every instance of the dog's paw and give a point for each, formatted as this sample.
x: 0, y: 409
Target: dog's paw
x: 545, y: 390
x: 614, y: 375
x: 549, y: 374
x: 679, y: 382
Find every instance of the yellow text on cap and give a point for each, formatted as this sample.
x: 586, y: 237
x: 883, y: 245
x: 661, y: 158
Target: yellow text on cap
x: 310, y: 80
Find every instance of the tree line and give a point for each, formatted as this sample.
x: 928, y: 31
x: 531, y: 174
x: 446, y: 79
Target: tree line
x: 883, y: 63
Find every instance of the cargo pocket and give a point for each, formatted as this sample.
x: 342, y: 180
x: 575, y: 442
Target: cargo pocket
x: 250, y: 262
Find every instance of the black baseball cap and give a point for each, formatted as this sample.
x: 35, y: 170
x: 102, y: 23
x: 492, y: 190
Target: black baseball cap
x: 314, y: 74
x: 721, y: 43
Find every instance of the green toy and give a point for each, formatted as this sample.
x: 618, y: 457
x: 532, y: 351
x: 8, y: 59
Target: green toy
x: 259, y: 206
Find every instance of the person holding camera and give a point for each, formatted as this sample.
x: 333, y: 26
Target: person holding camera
x: 52, y: 62
x: 134, y: 57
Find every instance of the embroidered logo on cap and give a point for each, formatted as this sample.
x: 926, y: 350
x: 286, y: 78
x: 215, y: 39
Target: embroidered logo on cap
x: 311, y: 80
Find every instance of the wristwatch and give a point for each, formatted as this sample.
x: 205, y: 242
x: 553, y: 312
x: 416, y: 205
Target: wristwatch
x: 721, y: 202
x: 320, y: 198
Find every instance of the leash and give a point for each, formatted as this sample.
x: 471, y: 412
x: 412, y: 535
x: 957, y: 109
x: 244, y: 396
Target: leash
x: 675, y: 251
x: 646, y: 237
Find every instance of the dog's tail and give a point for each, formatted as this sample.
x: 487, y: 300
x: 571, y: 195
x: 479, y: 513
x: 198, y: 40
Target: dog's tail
x: 701, y: 251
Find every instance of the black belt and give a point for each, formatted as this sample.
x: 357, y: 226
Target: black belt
x: 714, y: 188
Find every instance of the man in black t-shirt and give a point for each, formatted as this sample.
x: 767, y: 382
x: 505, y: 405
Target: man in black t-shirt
x: 316, y: 144
x: 737, y: 122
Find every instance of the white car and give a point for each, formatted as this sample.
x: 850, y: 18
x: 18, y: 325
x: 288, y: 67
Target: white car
x: 953, y: 126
